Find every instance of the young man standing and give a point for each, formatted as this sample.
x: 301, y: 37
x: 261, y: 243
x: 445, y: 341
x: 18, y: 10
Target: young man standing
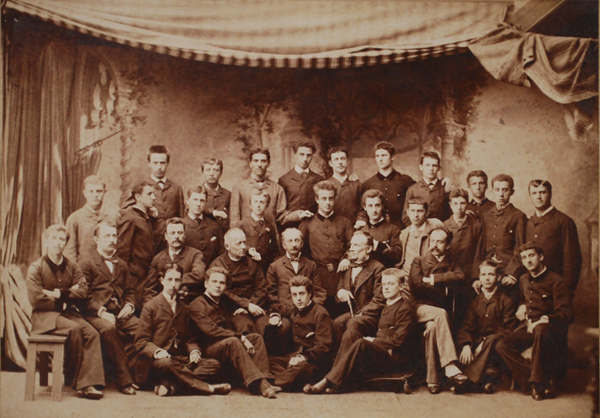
x: 135, y: 243
x: 545, y: 311
x: 54, y: 284
x: 217, y: 197
x: 81, y: 223
x: 349, y: 188
x: 430, y: 188
x: 298, y: 185
x: 477, y: 181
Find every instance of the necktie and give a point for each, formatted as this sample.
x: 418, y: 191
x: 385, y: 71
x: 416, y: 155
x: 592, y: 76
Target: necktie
x: 111, y: 259
x: 431, y: 185
x: 304, y: 175
x: 161, y: 184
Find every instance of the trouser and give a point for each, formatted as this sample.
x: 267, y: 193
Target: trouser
x: 478, y: 366
x: 117, y: 344
x: 276, y: 339
x: 438, y: 340
x: 176, y: 370
x: 232, y: 350
x: 244, y: 324
x: 83, y: 365
x: 544, y: 359
x: 365, y: 325
x: 294, y: 377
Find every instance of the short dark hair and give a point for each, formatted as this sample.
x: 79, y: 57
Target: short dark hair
x: 305, y: 143
x: 387, y: 146
x: 138, y: 188
x: 212, y: 161
x: 373, y: 194
x: 299, y: 281
x: 173, y: 221
x: 459, y: 193
x: 531, y: 245
x: 490, y: 263
x: 431, y: 154
x: 365, y: 234
x: 445, y: 230
x: 477, y: 173
x: 159, y: 149
x: 325, y: 185
x: 418, y: 200
x: 103, y: 223
x: 260, y: 151
x: 260, y: 193
x: 216, y: 270
x: 504, y: 177
x: 538, y: 183
x: 333, y: 150
x: 171, y: 266
x: 197, y: 189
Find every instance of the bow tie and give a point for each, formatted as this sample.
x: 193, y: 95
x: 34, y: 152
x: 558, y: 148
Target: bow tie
x: 356, y: 265
x: 295, y: 259
x: 112, y: 258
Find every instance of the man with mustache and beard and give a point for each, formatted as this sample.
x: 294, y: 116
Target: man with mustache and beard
x: 189, y: 259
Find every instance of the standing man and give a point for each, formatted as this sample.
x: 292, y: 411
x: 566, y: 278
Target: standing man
x: 81, y: 223
x: 477, y: 181
x: 556, y: 233
x: 110, y: 304
x: 347, y: 200
x: 429, y: 188
x: 189, y: 259
x: 217, y: 197
x: 169, y: 202
x: 298, y: 185
x: 54, y: 284
x: 391, y: 183
x: 135, y: 243
x: 258, y: 181
x: 202, y: 232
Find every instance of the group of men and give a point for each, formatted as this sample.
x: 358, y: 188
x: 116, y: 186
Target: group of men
x: 308, y: 283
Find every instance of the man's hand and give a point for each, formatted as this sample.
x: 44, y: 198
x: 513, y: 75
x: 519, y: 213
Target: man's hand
x: 160, y: 354
x: 219, y: 214
x: 477, y: 286
x: 509, y: 281
x: 125, y: 312
x: 369, y: 338
x: 359, y: 224
x: 255, y: 309
x: 294, y: 361
x: 447, y: 183
x: 466, y: 355
x: 55, y: 294
x: 275, y: 320
x: 195, y: 356
x: 521, y: 312
x: 344, y: 265
x: 153, y: 212
x: 108, y: 317
x: 254, y: 254
x: 249, y: 347
x: 531, y: 325
x: 240, y: 311
x: 428, y: 280
x: 305, y: 214
x: 344, y: 295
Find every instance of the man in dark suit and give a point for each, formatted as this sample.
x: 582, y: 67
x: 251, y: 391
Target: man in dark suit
x: 201, y: 231
x: 167, y: 351
x: 298, y: 185
x: 211, y: 318
x: 217, y: 197
x: 169, y: 201
x: 111, y: 302
x: 431, y: 282
x: 135, y: 243
x: 477, y: 181
x: 359, y: 289
x: 313, y: 339
x: 246, y: 286
x: 389, y: 351
x: 349, y: 188
x: 189, y: 259
x: 54, y: 283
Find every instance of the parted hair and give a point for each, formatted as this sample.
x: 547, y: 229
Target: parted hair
x: 216, y: 270
x: 171, y: 266
x: 260, y: 151
x: 173, y: 221
x: 490, y: 263
x: 197, y: 189
x: 459, y: 193
x: 538, y: 183
x: 299, y: 281
x: 373, y: 194
x: 159, y: 149
x: 103, y: 223
x: 305, y: 143
x: 366, y: 235
x: 531, y: 245
x: 287, y: 231
x: 212, y: 161
x: 325, y: 185
x: 260, y: 193
x: 385, y: 146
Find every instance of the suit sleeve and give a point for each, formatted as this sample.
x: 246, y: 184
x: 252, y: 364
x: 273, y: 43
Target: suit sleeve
x: 319, y: 294
x: 280, y: 206
x: 563, y: 308
x: 323, y: 337
x: 271, y: 284
x: 70, y: 250
x: 468, y: 330
x: 181, y: 202
x: 38, y: 299
x: 509, y: 320
x: 125, y: 231
x: 405, y: 322
x: 571, y: 255
x: 405, y: 217
x: 82, y: 291
x: 92, y: 304
x: 143, y: 337
x: 152, y: 285
x: 391, y: 250
x: 235, y: 209
x: 453, y: 276
x: 129, y: 290
x: 206, y: 325
x: 513, y: 267
x: 418, y: 288
x: 196, y: 275
x: 306, y: 234
x: 260, y: 287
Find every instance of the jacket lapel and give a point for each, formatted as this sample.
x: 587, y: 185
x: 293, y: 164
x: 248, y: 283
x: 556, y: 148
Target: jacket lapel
x: 165, y: 305
x: 103, y: 267
x: 363, y: 275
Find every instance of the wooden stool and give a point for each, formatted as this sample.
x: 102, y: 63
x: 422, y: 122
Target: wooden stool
x: 45, y: 344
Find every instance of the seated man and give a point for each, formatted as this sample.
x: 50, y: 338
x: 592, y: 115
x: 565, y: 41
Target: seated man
x: 54, y: 283
x: 313, y: 339
x: 359, y: 290
x: 167, y: 350
x: 431, y: 279
x: 111, y: 302
x: 211, y: 317
x: 545, y: 311
x: 246, y: 284
x: 388, y: 352
x: 490, y: 317
x: 189, y: 259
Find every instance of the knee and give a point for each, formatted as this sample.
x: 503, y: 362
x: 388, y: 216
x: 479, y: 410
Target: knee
x: 163, y: 363
x: 106, y: 328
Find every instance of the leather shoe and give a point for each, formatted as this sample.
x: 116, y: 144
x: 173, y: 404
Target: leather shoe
x: 277, y: 389
x: 536, y: 393
x: 434, y: 389
x: 458, y: 379
x: 332, y: 391
x: 313, y: 389
x: 489, y: 388
x: 162, y: 390
x: 222, y: 389
x: 550, y: 392
x: 127, y: 390
x: 90, y: 392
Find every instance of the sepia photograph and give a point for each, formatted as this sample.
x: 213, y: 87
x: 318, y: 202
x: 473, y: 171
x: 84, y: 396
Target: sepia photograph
x: 283, y: 208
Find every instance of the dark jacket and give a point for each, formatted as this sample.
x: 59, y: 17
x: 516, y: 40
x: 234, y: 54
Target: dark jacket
x: 299, y: 194
x: 479, y: 208
x: 367, y: 285
x: 445, y: 274
x: 397, y: 326
x: 135, y: 241
x: 218, y: 200
x: 246, y: 282
x: 262, y: 236
x: 437, y: 198
x: 547, y: 295
x: 281, y: 272
x: 389, y: 249
x: 205, y: 236
x: 348, y: 198
x: 326, y: 239
x: 211, y: 321
x: 465, y: 240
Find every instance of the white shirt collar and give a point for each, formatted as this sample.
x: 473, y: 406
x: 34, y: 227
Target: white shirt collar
x: 95, y: 212
x: 168, y: 298
x: 541, y: 272
x: 209, y: 188
x: 164, y: 179
x: 300, y: 171
x: 290, y: 258
x: 172, y: 253
x: 390, y: 302
x: 440, y: 258
x: 256, y: 218
x: 194, y: 217
x: 420, y: 228
x: 326, y: 216
x: 539, y: 215
x: 489, y: 295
